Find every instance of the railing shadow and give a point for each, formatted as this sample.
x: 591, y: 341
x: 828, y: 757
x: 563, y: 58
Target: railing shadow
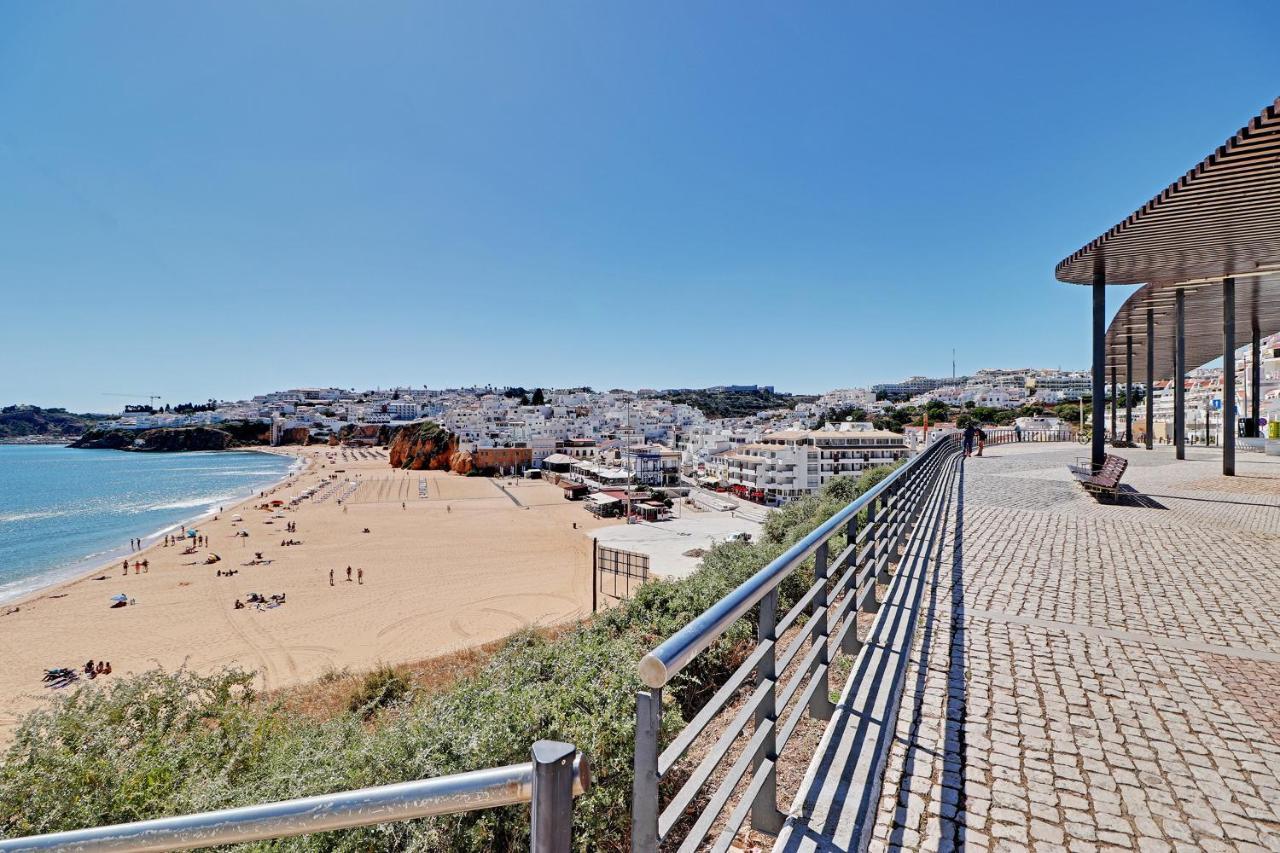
x: 954, y: 749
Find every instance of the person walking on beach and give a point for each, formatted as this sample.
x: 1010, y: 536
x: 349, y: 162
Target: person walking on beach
x: 359, y: 576
x: 146, y: 567
x: 126, y: 568
x: 348, y: 574
x: 331, y: 577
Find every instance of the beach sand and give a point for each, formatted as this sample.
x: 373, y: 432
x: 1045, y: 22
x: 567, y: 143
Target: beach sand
x: 464, y: 565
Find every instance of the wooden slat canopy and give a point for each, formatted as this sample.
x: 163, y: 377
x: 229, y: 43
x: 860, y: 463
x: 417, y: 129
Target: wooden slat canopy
x: 1222, y: 218
x: 1257, y: 305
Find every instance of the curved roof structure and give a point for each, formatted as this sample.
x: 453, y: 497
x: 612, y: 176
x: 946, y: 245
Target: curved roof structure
x: 1257, y: 306
x: 1222, y: 218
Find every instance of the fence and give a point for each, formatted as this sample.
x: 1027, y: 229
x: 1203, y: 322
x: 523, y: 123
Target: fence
x: 556, y: 774
x: 867, y: 534
x: 618, y: 563
x: 1008, y: 435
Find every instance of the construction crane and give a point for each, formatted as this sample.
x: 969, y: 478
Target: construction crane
x: 151, y: 398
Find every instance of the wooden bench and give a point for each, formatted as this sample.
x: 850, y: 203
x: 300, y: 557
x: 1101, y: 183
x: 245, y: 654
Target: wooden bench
x: 1106, y: 480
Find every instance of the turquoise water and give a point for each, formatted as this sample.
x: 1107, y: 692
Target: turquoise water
x: 63, y: 511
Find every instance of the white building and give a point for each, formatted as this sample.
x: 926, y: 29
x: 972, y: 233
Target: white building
x: 788, y: 464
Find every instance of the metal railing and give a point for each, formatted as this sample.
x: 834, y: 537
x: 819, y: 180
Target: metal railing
x: 556, y: 774
x: 1008, y: 435
x: 868, y: 533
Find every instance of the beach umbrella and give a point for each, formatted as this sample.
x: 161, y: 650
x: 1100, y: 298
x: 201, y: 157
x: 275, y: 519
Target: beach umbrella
x: 236, y: 518
x: 120, y: 597
x: 191, y: 534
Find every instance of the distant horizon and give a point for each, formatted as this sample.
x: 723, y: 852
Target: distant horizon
x: 185, y: 398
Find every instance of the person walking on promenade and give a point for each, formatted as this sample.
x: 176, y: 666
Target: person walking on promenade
x: 970, y: 432
x: 1017, y: 433
x: 982, y: 440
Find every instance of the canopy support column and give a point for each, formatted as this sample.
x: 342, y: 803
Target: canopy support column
x: 1180, y: 375
x: 1255, y: 390
x: 1228, y: 377
x: 1128, y: 389
x: 1115, y: 398
x: 1098, y: 451
x: 1150, y: 396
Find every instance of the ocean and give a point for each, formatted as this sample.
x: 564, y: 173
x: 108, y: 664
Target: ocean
x: 64, y: 511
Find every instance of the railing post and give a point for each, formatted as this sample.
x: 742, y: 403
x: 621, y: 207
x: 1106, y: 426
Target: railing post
x: 820, y: 705
x: 765, y: 815
x: 871, y: 604
x: 852, y: 642
x: 882, y: 537
x: 552, y: 805
x: 644, y: 791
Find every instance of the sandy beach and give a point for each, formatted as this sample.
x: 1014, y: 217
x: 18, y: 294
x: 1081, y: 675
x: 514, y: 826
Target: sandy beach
x: 464, y: 561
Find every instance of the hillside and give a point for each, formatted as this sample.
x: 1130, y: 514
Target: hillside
x: 32, y: 421
x: 226, y: 436
x: 734, y: 404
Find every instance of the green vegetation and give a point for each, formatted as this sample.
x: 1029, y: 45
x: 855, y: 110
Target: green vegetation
x: 166, y: 743
x: 380, y: 688
x: 29, y: 421
x: 734, y: 404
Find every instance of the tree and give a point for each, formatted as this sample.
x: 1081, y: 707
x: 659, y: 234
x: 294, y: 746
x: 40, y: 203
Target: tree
x: 538, y: 398
x: 937, y: 411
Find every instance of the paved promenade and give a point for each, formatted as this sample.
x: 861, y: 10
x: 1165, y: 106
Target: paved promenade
x: 1093, y: 677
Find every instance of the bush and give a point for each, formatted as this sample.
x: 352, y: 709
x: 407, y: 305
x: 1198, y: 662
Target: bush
x: 168, y: 743
x: 379, y: 689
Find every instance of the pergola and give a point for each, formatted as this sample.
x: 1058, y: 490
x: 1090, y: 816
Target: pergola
x: 1207, y: 250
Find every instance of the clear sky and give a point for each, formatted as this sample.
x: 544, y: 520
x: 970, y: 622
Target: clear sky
x: 217, y: 199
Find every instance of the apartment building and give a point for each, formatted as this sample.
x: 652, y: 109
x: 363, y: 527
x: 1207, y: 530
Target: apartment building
x: 785, y: 465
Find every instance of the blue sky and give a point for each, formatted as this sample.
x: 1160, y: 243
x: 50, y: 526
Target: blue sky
x: 217, y: 199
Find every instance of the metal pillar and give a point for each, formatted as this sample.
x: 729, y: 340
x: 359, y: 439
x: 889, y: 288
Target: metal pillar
x: 644, y: 791
x: 1150, y: 397
x: 1180, y: 375
x: 1115, y: 399
x: 1255, y: 390
x: 765, y: 814
x: 1228, y: 377
x: 552, y: 811
x: 1128, y: 389
x: 1098, y: 447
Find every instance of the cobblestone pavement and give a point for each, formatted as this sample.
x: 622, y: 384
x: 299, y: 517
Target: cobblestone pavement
x: 1095, y: 677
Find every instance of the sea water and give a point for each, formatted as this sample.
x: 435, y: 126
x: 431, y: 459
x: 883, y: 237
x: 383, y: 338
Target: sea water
x: 64, y: 511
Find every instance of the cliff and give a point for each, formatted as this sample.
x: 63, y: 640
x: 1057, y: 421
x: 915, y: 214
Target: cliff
x: 17, y: 422
x: 176, y: 439
x: 423, y: 445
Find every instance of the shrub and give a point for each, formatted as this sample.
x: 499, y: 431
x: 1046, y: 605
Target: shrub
x: 379, y: 689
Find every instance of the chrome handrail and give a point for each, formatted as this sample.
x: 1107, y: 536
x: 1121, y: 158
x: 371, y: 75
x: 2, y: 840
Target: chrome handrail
x: 676, y: 652
x: 774, y: 686
x: 557, y: 773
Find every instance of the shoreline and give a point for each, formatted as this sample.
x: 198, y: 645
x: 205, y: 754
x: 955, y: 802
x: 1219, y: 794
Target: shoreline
x: 94, y: 564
